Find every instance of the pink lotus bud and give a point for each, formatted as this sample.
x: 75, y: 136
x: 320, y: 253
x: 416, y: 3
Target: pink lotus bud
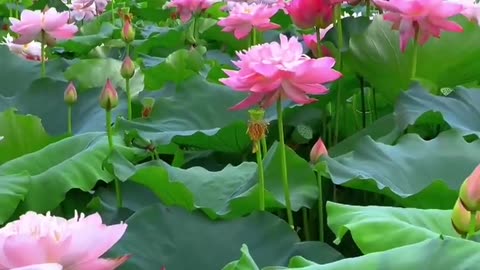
x: 70, y: 94
x: 128, y: 32
x: 109, y: 96
x: 461, y: 219
x: 470, y: 191
x: 318, y: 150
x: 128, y: 68
x: 311, y: 13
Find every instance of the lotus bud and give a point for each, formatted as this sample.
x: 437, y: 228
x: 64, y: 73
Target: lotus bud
x: 109, y: 96
x: 470, y: 191
x: 128, y: 68
x: 70, y: 94
x: 318, y: 150
x: 147, y: 109
x: 311, y: 13
x: 128, y: 32
x: 461, y: 219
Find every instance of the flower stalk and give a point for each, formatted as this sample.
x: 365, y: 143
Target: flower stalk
x: 257, y: 130
x: 283, y: 159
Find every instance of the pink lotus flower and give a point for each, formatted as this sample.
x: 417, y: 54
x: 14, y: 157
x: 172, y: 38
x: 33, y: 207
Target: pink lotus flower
x: 311, y: 13
x: 33, y: 23
x: 420, y: 19
x: 275, y: 70
x: 318, y: 150
x: 471, y: 9
x: 86, y: 10
x: 311, y: 42
x: 187, y: 8
x: 243, y: 17
x: 75, y: 244
x: 31, y: 51
x: 43, y: 266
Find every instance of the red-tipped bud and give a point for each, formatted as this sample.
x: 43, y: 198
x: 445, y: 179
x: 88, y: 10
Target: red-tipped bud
x: 310, y: 13
x: 147, y: 109
x: 109, y: 96
x: 128, y: 68
x: 128, y: 32
x: 318, y: 150
x: 70, y: 94
x: 461, y: 219
x: 470, y: 191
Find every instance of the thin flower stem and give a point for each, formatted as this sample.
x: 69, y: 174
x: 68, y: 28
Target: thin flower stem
x: 129, y: 98
x: 367, y: 6
x: 69, y: 120
x: 261, y: 179
x: 284, y: 163
x: 473, y: 221
x: 414, y: 58
x: 264, y: 146
x: 113, y: 11
x: 374, y: 97
x: 10, y: 10
x: 254, y: 36
x: 306, y: 225
x: 42, y: 56
x: 108, y: 122
x: 321, y: 232
x: 319, y: 43
x: 363, y: 101
x: 338, y: 14
x: 195, y: 29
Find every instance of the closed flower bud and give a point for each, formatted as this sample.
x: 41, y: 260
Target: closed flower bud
x: 109, y: 96
x: 128, y: 68
x: 470, y: 191
x: 461, y: 219
x: 128, y: 32
x: 70, y: 94
x: 318, y: 150
x: 311, y: 13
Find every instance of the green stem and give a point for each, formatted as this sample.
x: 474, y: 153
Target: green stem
x: 321, y: 232
x: 254, y: 36
x: 319, y: 42
x: 284, y: 163
x: 264, y: 146
x: 10, y: 10
x: 473, y: 221
x: 129, y: 98
x: 42, y: 56
x: 338, y: 13
x: 195, y: 29
x: 363, y: 101
x: 113, y: 11
x: 306, y: 225
x: 69, y: 120
x: 367, y: 6
x: 414, y: 57
x: 374, y: 97
x: 261, y: 180
x: 108, y: 121
x: 17, y: 6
